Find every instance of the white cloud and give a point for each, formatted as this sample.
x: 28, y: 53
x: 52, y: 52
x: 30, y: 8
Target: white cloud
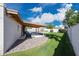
x: 45, y: 18
x: 62, y: 11
x: 36, y: 20
x: 64, y: 8
x: 36, y: 9
x: 76, y: 11
x: 61, y: 25
x: 59, y: 16
x: 68, y: 6
x: 49, y: 17
x: 56, y: 26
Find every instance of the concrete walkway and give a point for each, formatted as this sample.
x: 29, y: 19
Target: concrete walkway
x: 29, y: 43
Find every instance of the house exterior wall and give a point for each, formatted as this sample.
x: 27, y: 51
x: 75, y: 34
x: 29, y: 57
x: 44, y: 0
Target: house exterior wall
x: 55, y: 30
x: 74, y: 38
x: 31, y: 29
x: 12, y: 31
x: 46, y: 30
x: 41, y: 30
x: 34, y: 29
x: 49, y: 30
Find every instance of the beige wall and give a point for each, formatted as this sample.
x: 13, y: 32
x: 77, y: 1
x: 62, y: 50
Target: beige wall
x: 12, y: 31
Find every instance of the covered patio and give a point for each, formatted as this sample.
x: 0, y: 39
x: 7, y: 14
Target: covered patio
x: 26, y: 24
x: 25, y: 35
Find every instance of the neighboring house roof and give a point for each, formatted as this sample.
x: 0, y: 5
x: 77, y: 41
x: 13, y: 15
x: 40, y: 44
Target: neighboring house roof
x: 14, y: 14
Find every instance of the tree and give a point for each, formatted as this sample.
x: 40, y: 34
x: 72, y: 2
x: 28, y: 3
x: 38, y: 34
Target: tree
x: 78, y: 17
x: 71, y: 18
x: 71, y: 22
x: 50, y: 26
x: 68, y: 15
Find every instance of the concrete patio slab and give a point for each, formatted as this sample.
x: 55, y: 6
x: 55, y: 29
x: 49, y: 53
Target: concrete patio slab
x: 29, y: 43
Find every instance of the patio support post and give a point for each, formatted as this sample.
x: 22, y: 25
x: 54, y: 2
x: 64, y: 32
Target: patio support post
x: 23, y: 30
x: 38, y: 29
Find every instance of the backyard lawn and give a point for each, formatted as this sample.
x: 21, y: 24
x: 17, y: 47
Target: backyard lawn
x: 58, y: 44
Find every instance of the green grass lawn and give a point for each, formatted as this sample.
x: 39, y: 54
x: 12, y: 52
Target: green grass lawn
x: 57, y: 45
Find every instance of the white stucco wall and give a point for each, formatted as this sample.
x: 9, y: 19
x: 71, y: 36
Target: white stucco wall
x: 55, y: 30
x: 74, y: 38
x: 41, y: 29
x: 1, y: 29
x: 46, y: 30
x: 12, y: 31
x: 31, y: 29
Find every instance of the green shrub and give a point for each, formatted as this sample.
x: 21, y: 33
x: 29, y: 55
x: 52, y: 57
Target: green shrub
x: 62, y: 30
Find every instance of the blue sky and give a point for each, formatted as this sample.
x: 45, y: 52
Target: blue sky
x: 53, y: 13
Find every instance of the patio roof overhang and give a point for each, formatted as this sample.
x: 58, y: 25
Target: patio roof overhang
x: 34, y: 25
x: 17, y: 18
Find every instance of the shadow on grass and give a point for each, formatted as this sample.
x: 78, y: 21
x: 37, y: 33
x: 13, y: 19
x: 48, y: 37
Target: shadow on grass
x: 64, y: 48
x: 56, y: 37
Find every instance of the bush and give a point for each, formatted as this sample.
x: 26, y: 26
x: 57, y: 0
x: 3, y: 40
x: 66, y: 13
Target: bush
x: 62, y: 30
